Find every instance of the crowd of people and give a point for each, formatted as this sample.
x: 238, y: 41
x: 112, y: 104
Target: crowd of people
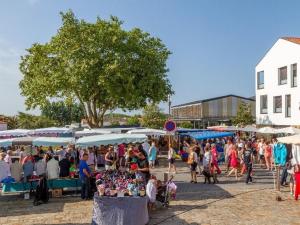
x: 24, y: 163
x: 203, y: 157
x: 238, y: 155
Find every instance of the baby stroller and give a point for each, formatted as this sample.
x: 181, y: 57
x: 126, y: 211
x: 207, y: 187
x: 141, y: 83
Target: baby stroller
x: 166, y: 192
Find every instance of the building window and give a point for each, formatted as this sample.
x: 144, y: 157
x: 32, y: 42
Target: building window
x: 282, y: 75
x: 260, y: 80
x: 263, y: 104
x: 288, y: 106
x: 294, y: 75
x: 277, y: 104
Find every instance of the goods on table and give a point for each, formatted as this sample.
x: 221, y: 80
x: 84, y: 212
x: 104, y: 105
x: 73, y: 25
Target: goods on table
x: 119, y: 184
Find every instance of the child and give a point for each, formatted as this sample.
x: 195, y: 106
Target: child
x: 214, y: 173
x: 151, y: 191
x: 206, y: 164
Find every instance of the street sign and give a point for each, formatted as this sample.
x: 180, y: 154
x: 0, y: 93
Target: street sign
x: 170, y: 126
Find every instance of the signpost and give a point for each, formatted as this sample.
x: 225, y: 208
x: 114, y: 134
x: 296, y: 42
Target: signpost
x: 170, y: 127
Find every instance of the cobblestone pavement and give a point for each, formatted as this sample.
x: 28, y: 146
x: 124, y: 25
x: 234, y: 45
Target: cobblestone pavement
x: 229, y: 202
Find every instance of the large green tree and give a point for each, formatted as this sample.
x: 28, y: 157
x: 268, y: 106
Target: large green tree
x: 100, y: 65
x: 153, y: 117
x: 244, y: 116
x: 63, y: 113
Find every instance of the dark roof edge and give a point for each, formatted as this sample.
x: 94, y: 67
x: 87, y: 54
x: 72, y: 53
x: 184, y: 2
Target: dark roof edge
x: 211, y: 99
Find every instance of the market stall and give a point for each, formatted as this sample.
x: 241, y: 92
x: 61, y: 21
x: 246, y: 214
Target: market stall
x: 53, y: 141
x: 110, y: 139
x: 52, y: 132
x: 23, y: 141
x: 120, y: 211
x: 52, y: 184
x: 248, y: 128
x: 148, y: 132
x: 120, y: 198
x: 5, y: 134
x: 4, y: 143
x: 295, y: 139
x: 223, y: 128
x: 210, y: 134
x: 267, y: 130
x: 288, y: 130
x: 91, y: 132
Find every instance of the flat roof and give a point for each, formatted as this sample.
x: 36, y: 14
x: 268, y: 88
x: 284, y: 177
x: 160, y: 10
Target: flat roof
x: 211, y: 99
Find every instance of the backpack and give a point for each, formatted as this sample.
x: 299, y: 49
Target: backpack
x: 191, y: 158
x: 42, y: 192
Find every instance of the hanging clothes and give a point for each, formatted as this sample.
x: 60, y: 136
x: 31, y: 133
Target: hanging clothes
x: 279, y: 153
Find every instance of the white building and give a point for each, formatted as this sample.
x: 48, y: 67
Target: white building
x: 278, y: 84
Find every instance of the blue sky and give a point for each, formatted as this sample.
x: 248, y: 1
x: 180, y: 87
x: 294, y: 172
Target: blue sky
x: 215, y: 44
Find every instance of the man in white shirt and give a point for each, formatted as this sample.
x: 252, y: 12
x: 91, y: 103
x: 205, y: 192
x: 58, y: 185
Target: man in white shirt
x: 4, y: 167
x: 146, y: 146
x: 52, y: 168
x: 7, y: 158
x: 40, y: 167
x: 61, y: 153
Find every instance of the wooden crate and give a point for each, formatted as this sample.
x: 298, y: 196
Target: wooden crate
x: 56, y: 193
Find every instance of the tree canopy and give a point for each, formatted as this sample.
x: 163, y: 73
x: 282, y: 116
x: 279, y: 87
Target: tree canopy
x: 28, y: 121
x: 100, y: 65
x: 153, y: 117
x: 62, y: 113
x: 244, y: 116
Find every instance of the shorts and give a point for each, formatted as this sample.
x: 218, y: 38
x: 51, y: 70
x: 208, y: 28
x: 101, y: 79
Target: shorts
x: 171, y: 161
x: 292, y: 179
x: 194, y: 166
x: 261, y: 157
x: 152, y: 162
x: 108, y: 167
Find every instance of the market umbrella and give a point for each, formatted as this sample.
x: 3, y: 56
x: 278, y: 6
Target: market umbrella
x: 267, y: 130
x: 110, y: 139
x: 148, y: 131
x: 53, y: 141
x: 288, y: 130
x: 295, y: 139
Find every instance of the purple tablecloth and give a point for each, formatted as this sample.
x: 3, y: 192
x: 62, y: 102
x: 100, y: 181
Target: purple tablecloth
x: 120, y: 211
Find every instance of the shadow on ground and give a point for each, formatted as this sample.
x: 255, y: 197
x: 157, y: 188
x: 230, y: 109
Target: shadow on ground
x: 25, y: 207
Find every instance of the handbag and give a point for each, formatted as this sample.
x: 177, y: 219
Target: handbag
x: 190, y: 159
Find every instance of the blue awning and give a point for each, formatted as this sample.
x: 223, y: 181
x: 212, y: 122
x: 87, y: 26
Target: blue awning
x: 210, y: 134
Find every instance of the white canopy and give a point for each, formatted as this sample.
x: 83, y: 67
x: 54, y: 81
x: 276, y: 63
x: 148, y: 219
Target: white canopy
x: 288, y: 130
x: 267, y: 130
x: 148, y: 131
x: 295, y: 139
x: 110, y: 139
x: 53, y: 141
x: 6, y: 142
x: 249, y: 128
x: 14, y: 133
x: 88, y: 132
x: 51, y: 130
